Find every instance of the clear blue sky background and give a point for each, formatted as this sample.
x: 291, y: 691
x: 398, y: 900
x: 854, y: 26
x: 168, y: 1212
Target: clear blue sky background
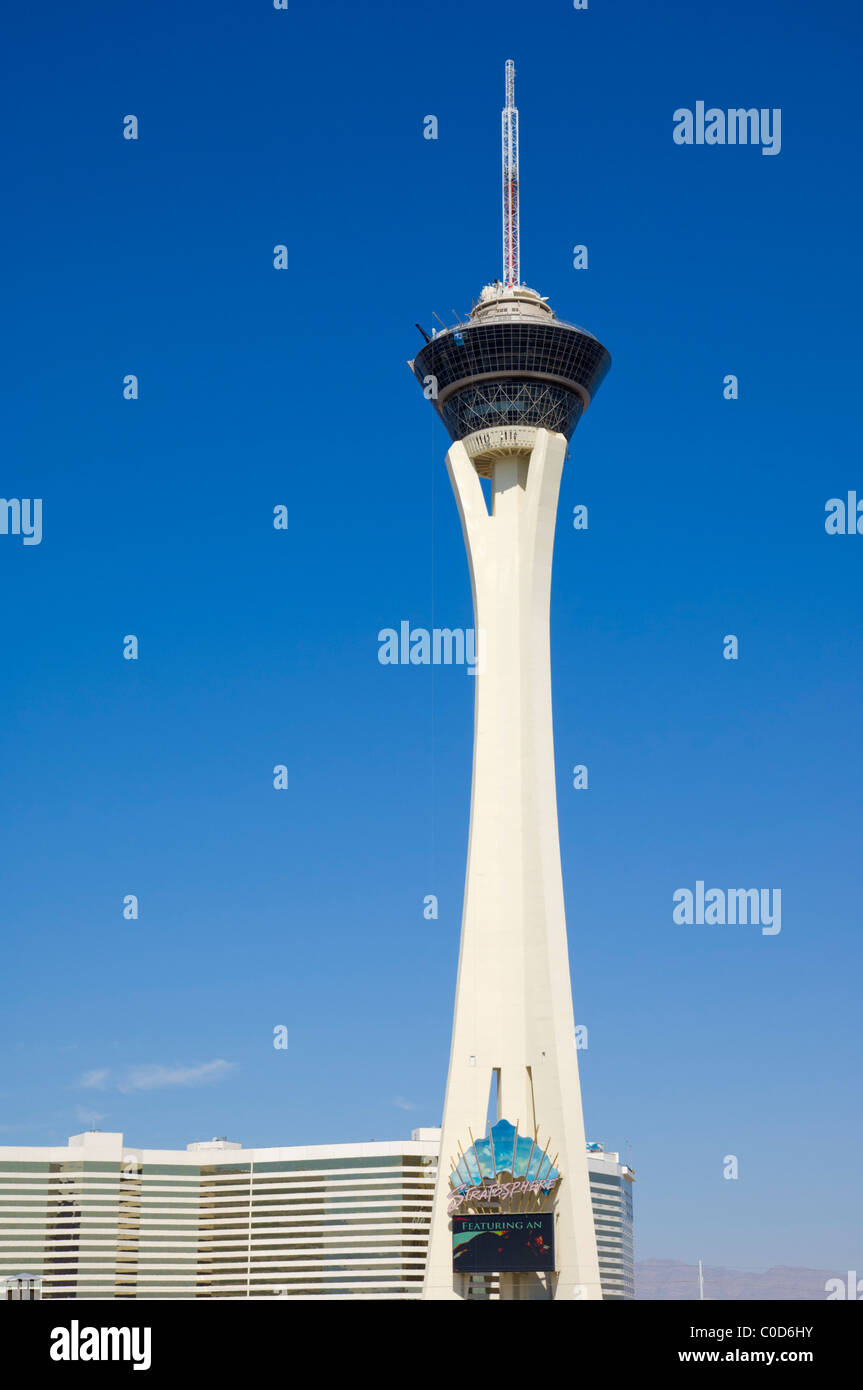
x: 304, y: 907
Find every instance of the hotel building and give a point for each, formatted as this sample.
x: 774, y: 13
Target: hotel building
x: 96, y: 1219
x: 611, y: 1199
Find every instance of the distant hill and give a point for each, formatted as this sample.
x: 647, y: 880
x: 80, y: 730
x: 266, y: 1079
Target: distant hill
x: 656, y: 1279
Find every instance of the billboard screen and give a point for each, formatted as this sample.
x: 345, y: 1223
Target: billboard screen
x: 503, y: 1244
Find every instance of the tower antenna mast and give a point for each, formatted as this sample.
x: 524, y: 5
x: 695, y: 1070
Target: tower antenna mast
x: 509, y: 142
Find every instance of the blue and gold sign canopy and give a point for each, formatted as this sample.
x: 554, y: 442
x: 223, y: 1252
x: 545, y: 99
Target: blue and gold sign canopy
x: 503, y: 1151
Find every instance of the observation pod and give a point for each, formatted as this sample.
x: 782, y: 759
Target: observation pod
x: 513, y: 368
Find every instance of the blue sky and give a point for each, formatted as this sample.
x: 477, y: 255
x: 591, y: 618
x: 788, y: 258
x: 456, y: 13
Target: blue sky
x: 259, y: 387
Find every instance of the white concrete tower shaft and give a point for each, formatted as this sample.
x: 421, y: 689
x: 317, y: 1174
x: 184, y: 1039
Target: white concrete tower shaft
x: 513, y: 1030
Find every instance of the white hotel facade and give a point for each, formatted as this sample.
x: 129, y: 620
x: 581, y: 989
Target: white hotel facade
x: 100, y: 1220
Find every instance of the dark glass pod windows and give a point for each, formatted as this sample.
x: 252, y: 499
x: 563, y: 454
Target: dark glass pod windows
x: 489, y: 404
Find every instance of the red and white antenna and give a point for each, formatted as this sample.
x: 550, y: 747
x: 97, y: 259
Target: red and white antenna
x: 509, y: 141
